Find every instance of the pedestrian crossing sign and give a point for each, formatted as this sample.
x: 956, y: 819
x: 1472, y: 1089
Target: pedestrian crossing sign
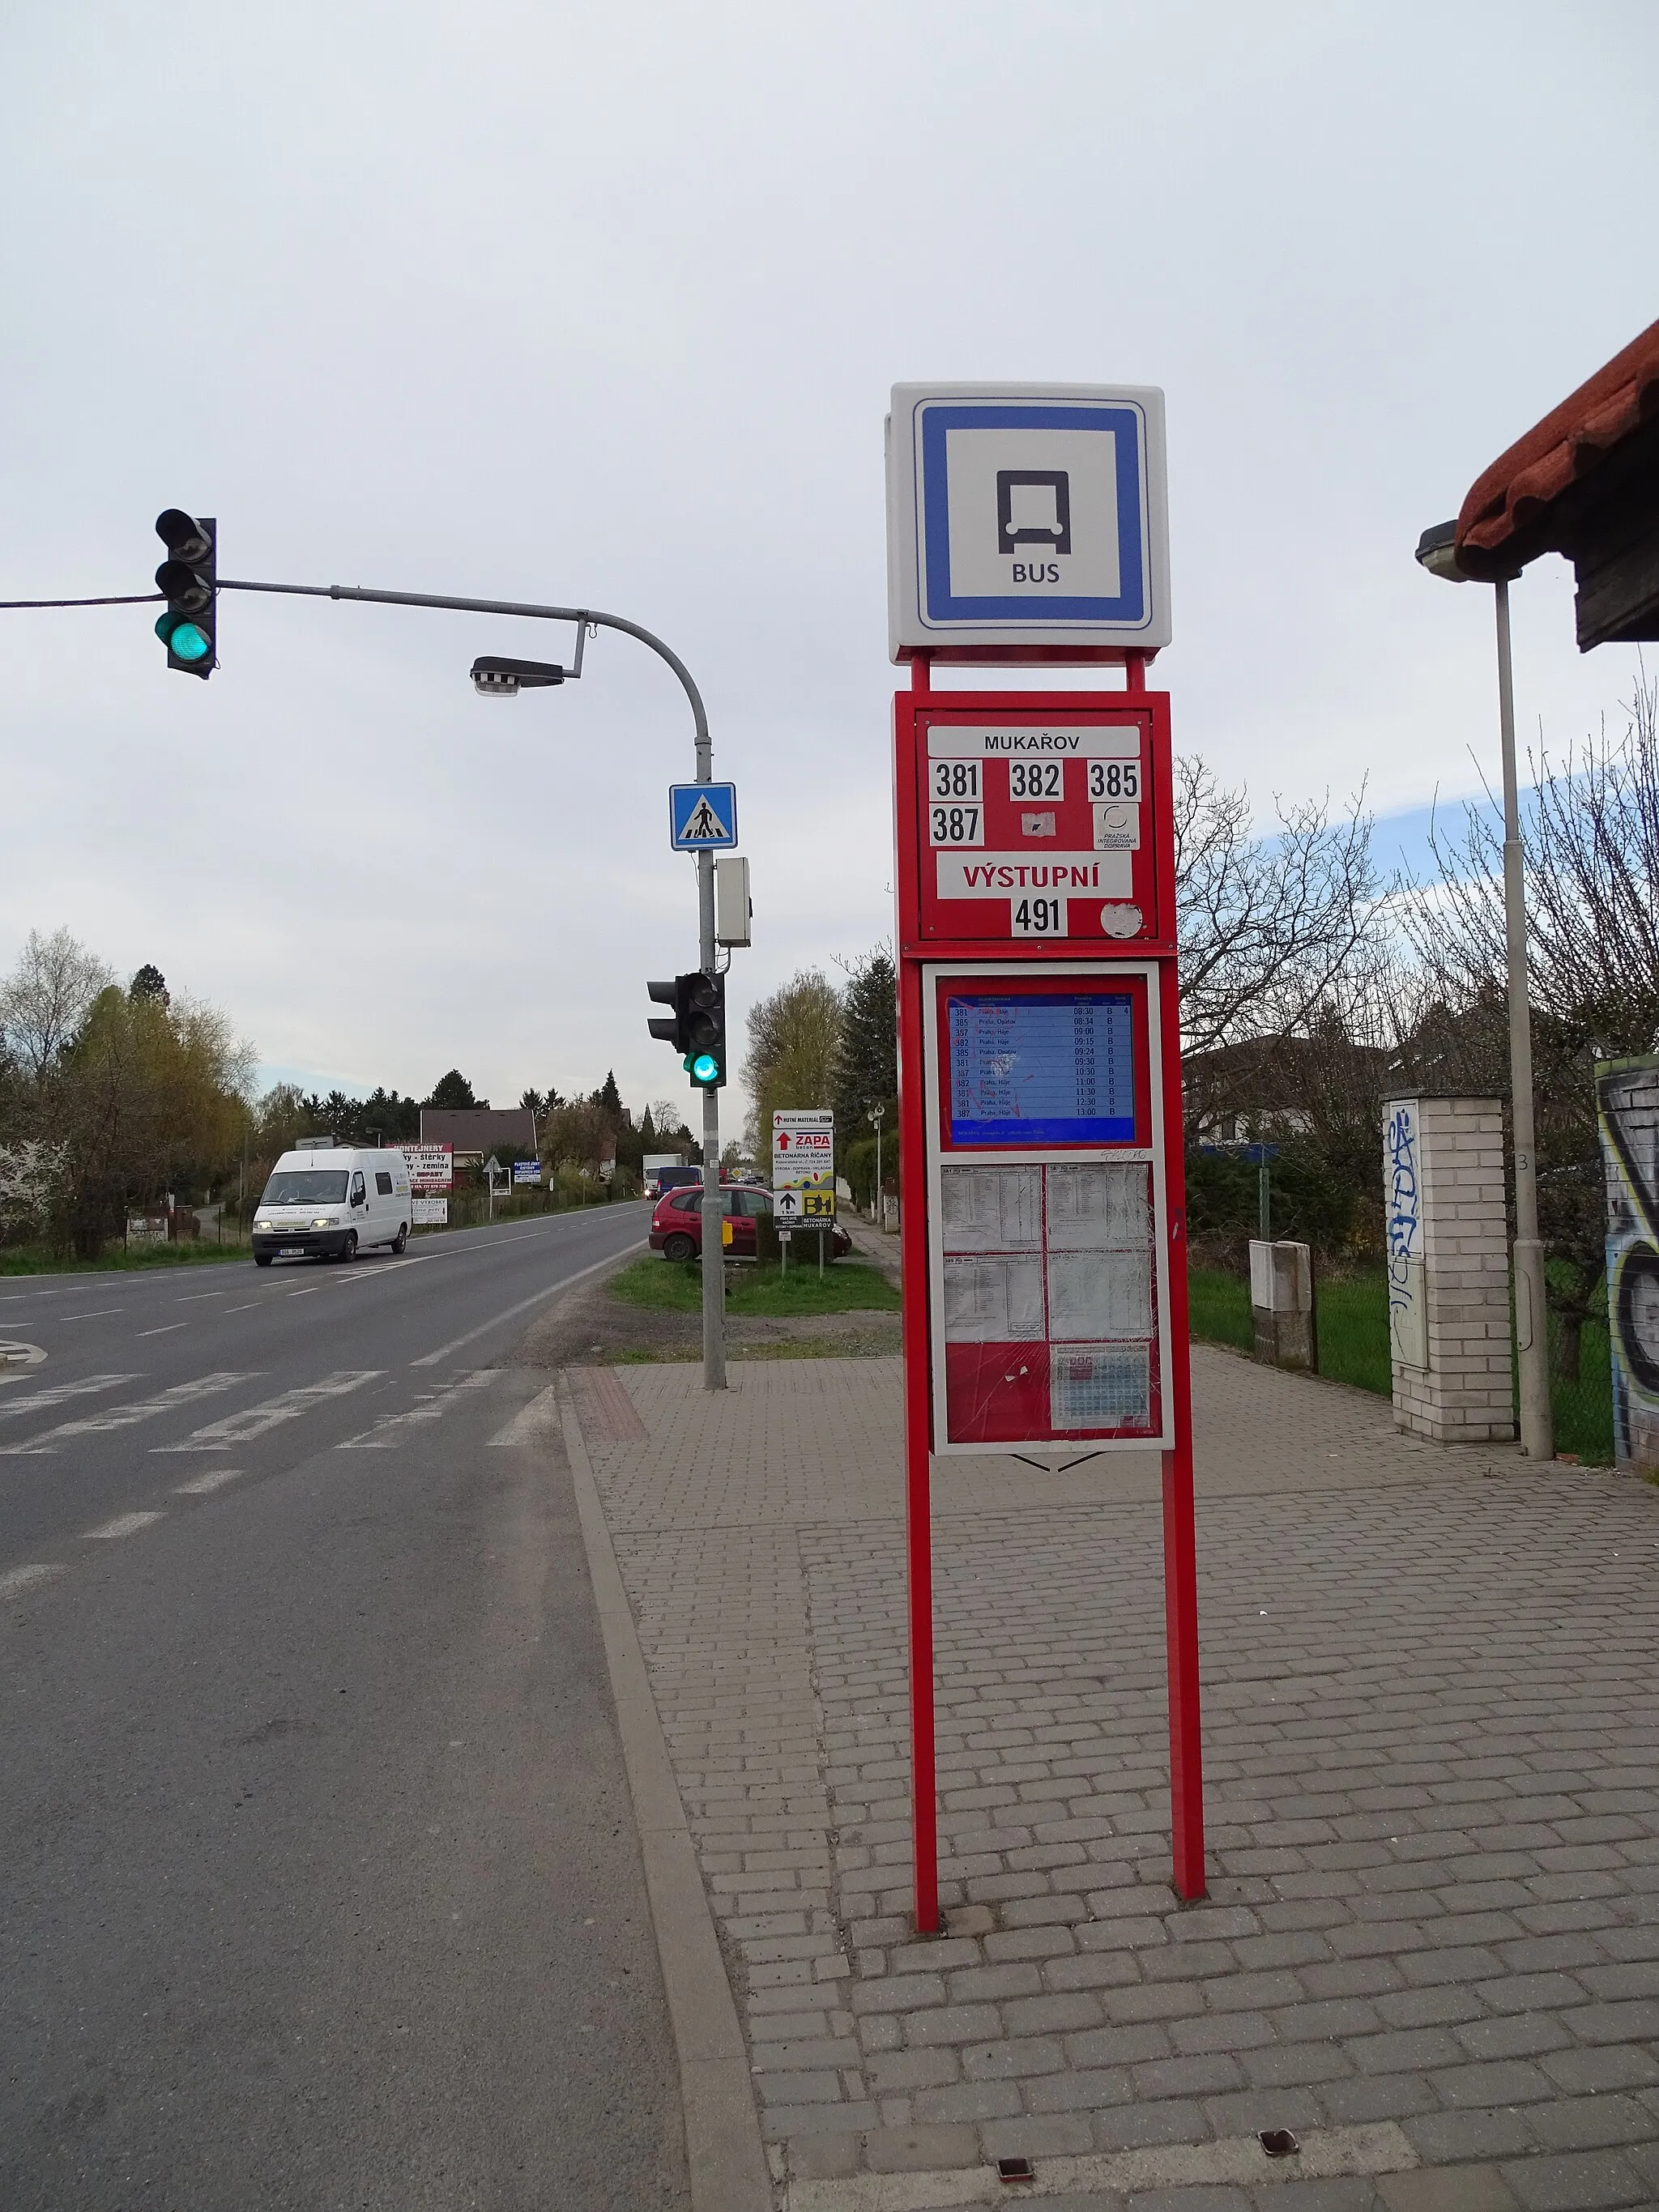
x: 703, y: 816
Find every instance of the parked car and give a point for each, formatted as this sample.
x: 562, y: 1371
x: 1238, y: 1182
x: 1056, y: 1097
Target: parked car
x: 330, y: 1201
x: 677, y: 1224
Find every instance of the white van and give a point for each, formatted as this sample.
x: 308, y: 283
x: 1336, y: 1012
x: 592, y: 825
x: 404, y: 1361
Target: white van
x: 332, y: 1201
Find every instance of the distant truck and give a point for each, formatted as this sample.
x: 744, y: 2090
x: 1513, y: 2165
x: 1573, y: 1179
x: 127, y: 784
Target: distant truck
x: 664, y: 1171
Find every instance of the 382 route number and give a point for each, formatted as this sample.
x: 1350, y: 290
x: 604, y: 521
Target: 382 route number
x: 1035, y: 780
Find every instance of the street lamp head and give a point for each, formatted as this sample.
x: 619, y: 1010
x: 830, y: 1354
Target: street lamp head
x: 1437, y: 551
x: 495, y: 679
x: 877, y: 1115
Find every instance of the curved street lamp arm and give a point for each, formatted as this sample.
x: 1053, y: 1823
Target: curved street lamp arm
x: 578, y: 615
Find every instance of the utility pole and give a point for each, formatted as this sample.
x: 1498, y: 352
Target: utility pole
x: 1437, y: 551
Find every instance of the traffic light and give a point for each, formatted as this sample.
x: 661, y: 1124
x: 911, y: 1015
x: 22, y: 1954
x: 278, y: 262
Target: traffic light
x: 697, y: 1029
x: 703, y: 1018
x: 188, y: 578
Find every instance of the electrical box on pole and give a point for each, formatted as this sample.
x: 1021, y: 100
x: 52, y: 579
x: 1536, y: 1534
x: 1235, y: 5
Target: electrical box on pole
x: 733, y: 907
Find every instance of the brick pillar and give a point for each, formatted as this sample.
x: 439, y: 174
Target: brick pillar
x: 1448, y: 1275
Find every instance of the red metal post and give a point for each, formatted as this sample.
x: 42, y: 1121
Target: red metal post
x: 1180, y: 1534
x: 913, y: 1260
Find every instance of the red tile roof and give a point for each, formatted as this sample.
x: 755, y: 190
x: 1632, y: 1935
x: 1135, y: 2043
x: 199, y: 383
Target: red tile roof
x: 1506, y: 519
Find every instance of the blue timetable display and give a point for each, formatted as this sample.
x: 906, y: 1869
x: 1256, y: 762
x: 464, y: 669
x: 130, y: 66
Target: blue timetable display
x: 1042, y: 1069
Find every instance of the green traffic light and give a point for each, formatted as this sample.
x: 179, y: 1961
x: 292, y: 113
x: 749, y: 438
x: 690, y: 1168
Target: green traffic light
x: 184, y: 640
x: 704, y: 1067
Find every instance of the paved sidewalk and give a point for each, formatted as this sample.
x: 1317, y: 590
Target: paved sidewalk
x: 1432, y: 1755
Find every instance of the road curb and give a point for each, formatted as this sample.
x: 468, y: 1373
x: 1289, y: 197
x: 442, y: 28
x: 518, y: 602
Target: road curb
x: 725, y: 2158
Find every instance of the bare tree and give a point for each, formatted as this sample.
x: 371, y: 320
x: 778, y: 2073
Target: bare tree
x: 1589, y: 834
x: 1270, y: 925
x: 48, y: 996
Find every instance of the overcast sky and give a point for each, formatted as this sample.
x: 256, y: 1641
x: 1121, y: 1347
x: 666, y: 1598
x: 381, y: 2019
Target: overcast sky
x: 602, y: 305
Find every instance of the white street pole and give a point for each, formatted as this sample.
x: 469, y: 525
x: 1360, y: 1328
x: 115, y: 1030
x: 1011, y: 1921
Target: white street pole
x: 714, y: 1213
x: 1531, y: 1311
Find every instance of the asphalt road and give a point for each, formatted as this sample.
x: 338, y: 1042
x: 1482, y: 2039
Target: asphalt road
x: 318, y: 1882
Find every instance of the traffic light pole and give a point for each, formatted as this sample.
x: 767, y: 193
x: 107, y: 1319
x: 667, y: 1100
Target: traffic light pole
x: 713, y: 1270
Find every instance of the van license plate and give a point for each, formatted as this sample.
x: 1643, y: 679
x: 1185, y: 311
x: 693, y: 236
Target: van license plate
x: 292, y: 1252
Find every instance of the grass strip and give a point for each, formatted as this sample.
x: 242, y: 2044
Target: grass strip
x: 676, y: 1286
x: 35, y: 1260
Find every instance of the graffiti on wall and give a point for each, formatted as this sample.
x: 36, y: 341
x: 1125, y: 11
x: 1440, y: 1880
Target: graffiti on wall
x: 1403, y: 1207
x: 1627, y: 1108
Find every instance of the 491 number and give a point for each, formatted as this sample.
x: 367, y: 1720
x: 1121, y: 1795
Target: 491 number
x: 1039, y: 917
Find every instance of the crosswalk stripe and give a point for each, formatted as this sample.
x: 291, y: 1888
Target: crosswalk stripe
x: 124, y: 1525
x: 108, y: 1418
x: 54, y: 1394
x: 288, y: 1406
x: 530, y: 1422
x: 384, y: 1434
x: 16, y: 1580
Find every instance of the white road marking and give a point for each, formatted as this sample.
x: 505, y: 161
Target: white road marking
x: 128, y: 1416
x: 124, y: 1525
x: 38, y: 1401
x: 214, y: 1479
x: 431, y: 1358
x: 197, y: 1297
x: 254, y: 1420
x: 310, y: 1290
x: 16, y: 1580
x: 387, y: 1267
x: 16, y: 1358
x: 165, y: 1331
x: 531, y: 1421
x: 97, y: 1314
x: 248, y: 1308
x: 431, y: 1407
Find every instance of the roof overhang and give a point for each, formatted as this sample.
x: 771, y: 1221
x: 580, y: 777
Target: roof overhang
x: 1585, y: 482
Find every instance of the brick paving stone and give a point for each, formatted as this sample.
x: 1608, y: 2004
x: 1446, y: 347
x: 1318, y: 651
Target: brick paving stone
x: 1433, y: 1779
x: 1579, y: 2183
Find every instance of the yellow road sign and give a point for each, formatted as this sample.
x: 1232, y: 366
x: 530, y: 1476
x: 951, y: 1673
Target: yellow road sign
x: 817, y: 1205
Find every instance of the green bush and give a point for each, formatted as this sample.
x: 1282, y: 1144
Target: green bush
x: 1307, y: 1202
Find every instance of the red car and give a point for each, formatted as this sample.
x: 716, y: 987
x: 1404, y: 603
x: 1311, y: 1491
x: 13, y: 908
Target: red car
x: 677, y: 1224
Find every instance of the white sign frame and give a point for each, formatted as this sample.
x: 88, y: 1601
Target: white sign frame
x: 1103, y: 516
x: 933, y: 973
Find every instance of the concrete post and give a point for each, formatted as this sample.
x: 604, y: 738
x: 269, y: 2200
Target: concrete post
x: 1448, y: 1288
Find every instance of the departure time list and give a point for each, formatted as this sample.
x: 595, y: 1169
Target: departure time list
x: 1042, y: 1069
